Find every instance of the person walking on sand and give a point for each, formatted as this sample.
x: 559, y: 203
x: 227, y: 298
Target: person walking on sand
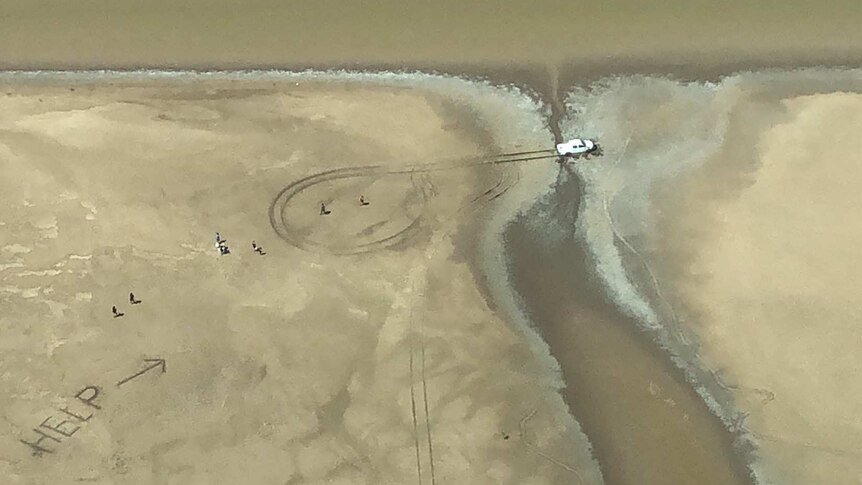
x: 115, y: 312
x: 323, y: 210
x: 133, y: 300
x: 362, y: 200
x: 218, y: 238
x: 257, y: 249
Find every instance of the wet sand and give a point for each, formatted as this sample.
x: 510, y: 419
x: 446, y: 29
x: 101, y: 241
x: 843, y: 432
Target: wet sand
x: 726, y: 233
x: 760, y: 274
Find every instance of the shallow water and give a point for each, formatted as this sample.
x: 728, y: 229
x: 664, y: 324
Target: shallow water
x: 225, y: 33
x: 646, y: 424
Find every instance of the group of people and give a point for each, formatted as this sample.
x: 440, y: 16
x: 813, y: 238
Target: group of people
x: 221, y: 245
x: 324, y: 211
x: 132, y: 300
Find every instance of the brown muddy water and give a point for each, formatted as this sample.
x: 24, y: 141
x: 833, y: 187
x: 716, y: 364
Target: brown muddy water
x: 646, y: 423
x: 285, y: 33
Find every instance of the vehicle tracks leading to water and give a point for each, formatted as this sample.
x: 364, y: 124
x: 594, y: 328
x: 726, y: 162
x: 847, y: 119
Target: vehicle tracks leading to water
x: 421, y: 186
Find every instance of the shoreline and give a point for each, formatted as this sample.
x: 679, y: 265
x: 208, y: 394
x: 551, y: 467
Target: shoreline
x: 535, y: 77
x: 687, y: 64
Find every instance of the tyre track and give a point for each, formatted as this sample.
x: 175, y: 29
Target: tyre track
x: 283, y: 229
x: 413, y: 407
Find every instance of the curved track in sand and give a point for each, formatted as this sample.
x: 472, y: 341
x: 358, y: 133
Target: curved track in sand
x: 409, y: 220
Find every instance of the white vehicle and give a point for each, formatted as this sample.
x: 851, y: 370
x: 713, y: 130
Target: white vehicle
x: 577, y: 147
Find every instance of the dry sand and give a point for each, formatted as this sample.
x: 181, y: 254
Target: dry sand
x: 759, y: 254
x: 298, y: 366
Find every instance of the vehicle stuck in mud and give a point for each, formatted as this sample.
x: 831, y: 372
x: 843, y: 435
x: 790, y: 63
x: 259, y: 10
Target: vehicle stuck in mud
x: 578, y: 147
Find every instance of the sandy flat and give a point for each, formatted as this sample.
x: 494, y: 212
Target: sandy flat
x: 771, y: 287
x: 380, y: 365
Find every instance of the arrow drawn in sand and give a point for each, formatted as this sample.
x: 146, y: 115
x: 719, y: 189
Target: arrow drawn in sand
x: 153, y: 363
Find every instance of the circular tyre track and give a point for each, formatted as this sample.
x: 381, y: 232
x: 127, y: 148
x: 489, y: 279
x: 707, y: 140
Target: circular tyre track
x: 411, y: 221
x: 299, y: 238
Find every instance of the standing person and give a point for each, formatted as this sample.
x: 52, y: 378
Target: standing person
x: 218, y: 238
x: 132, y: 298
x: 323, y: 210
x: 115, y: 312
x: 362, y: 200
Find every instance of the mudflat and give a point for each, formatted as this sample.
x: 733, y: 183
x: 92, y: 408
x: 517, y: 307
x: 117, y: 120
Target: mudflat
x: 723, y: 223
x: 768, y: 284
x: 645, y: 422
